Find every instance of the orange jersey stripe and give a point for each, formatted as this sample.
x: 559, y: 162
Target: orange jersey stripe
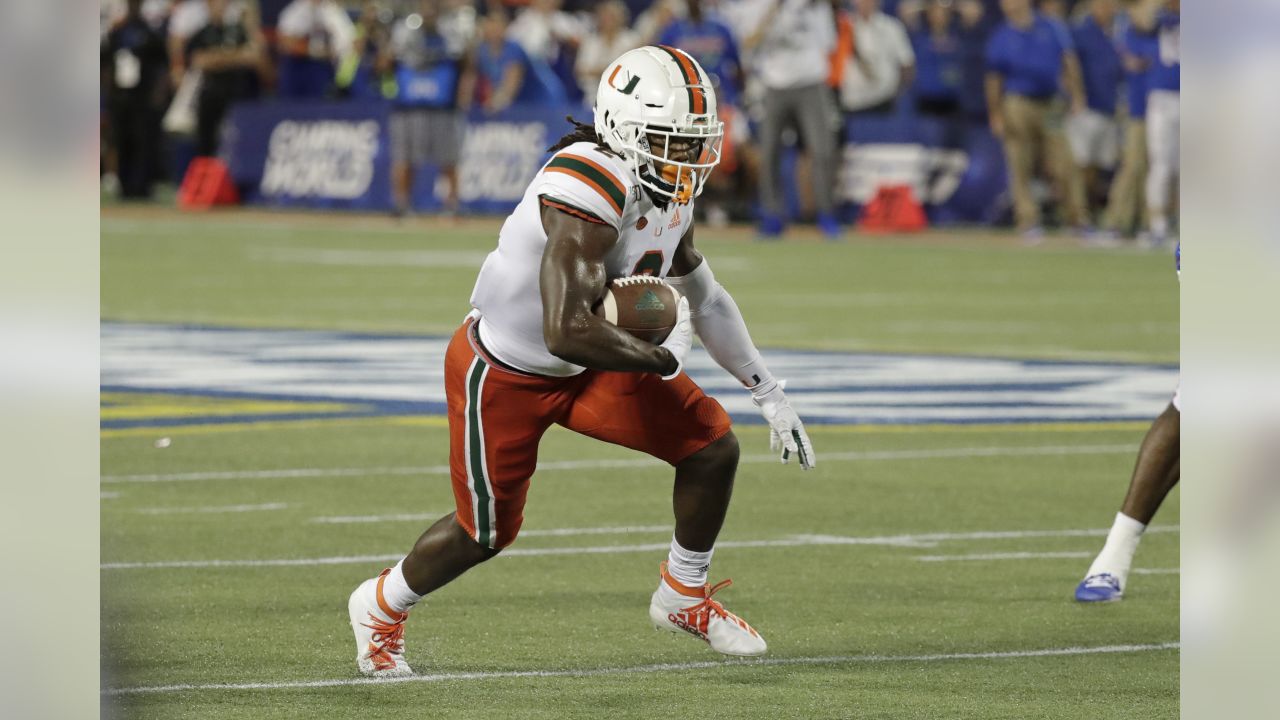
x: 590, y: 183
x: 573, y: 211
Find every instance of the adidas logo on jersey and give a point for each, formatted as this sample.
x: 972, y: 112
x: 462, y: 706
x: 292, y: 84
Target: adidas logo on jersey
x: 675, y: 221
x: 649, y: 302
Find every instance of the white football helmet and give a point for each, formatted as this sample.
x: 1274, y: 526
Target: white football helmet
x: 661, y: 91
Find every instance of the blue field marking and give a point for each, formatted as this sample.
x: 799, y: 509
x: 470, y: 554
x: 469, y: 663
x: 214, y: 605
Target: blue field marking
x: 381, y: 375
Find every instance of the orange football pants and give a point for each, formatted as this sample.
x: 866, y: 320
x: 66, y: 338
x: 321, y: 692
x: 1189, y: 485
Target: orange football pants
x: 497, y: 417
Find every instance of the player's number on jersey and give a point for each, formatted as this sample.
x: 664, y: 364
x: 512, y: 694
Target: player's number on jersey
x: 649, y: 264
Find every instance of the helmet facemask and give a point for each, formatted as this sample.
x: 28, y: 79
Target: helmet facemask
x: 678, y: 167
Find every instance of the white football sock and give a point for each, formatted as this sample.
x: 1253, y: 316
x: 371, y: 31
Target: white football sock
x: 688, y: 567
x: 396, y: 593
x: 1117, y: 553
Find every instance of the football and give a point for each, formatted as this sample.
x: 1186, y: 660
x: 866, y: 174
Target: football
x: 643, y: 305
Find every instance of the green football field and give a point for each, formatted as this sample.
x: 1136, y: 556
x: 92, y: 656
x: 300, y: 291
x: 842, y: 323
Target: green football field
x: 923, y: 570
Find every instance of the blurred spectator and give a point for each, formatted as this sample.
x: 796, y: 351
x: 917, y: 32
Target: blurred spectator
x: 599, y: 49
x: 315, y: 37
x: 134, y: 65
x: 154, y: 12
x: 1126, y: 209
x: 187, y: 18
x: 227, y: 52
x: 939, y: 75
x: 793, y: 40
x: 458, y: 25
x: 1028, y: 59
x: 708, y: 39
x: 973, y: 30
x: 542, y: 28
x: 1094, y: 134
x: 911, y: 13
x: 653, y: 20
x: 426, y: 125
x: 501, y: 64
x: 1164, y: 85
x: 358, y: 75
x: 549, y: 38
x: 1054, y: 9
x: 883, y: 65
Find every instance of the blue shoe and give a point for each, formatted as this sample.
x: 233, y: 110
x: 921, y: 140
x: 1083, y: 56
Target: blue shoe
x: 1103, y: 587
x: 830, y: 226
x: 770, y: 227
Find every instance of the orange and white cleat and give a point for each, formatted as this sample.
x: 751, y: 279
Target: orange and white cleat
x: 379, y: 632
x: 678, y: 608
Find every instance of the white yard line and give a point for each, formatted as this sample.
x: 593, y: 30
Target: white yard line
x: 107, y: 495
x: 652, y: 669
x: 211, y: 509
x: 1004, y: 556
x: 401, y: 517
x: 913, y: 454
x: 922, y: 540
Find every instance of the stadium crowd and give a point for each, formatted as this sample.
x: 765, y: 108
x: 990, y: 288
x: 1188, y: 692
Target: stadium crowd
x: 1067, y: 81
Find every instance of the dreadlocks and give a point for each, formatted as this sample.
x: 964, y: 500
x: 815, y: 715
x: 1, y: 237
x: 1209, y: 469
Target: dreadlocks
x: 582, y: 132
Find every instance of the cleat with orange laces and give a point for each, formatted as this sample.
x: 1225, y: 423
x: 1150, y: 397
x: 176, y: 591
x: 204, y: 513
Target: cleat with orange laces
x: 379, y: 632
x: 678, y: 608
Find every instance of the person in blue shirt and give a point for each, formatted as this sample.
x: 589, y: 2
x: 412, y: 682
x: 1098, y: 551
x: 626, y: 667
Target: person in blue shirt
x: 974, y: 27
x: 507, y: 74
x: 939, y: 62
x: 1094, y: 133
x: 710, y: 41
x: 425, y: 125
x: 1030, y: 62
x: 1163, y: 86
x: 1126, y: 210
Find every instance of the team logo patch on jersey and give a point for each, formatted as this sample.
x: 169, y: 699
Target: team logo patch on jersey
x: 233, y: 375
x: 641, y: 223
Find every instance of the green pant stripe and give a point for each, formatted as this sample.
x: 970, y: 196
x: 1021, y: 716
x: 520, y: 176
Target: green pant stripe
x: 480, y: 492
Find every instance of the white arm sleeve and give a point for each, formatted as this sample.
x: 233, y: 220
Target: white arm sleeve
x: 718, y: 322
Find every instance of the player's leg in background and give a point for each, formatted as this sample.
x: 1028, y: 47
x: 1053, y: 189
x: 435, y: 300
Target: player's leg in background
x: 1162, y: 141
x: 402, y: 153
x: 1019, y: 155
x: 1066, y: 173
x: 778, y: 115
x: 1155, y: 473
x: 817, y: 117
x: 1125, y: 201
x: 445, y: 137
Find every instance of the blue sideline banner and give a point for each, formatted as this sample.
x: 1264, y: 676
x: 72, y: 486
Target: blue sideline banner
x: 500, y: 154
x: 337, y: 156
x: 310, y: 154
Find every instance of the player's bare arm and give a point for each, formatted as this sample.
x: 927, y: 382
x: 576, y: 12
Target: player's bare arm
x: 572, y: 281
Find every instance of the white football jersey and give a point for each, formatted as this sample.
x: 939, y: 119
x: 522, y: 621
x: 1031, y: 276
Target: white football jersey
x: 593, y: 184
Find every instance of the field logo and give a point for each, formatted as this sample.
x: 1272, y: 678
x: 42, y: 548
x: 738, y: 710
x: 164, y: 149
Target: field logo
x: 364, y: 375
x: 325, y: 158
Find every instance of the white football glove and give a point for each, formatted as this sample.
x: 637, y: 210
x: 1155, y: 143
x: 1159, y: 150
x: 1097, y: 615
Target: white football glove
x: 786, y: 431
x: 681, y: 337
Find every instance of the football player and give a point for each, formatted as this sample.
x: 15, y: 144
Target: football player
x: 615, y: 199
